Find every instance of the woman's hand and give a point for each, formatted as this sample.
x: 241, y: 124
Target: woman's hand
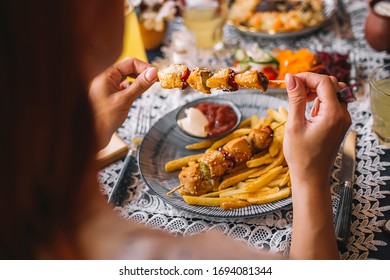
x: 111, y: 95
x: 311, y: 145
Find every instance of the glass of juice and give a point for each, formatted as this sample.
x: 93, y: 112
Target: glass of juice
x: 205, y: 19
x: 380, y: 102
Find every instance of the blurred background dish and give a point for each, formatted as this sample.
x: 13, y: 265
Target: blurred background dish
x: 275, y: 28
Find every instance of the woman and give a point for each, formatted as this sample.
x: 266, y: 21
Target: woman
x: 54, y: 121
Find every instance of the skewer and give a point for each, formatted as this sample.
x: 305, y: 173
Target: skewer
x: 283, y: 123
x: 174, y: 189
x: 276, y: 81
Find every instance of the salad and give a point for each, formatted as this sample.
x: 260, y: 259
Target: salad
x: 277, y: 63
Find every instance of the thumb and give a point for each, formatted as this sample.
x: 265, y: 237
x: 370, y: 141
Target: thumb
x: 296, y: 99
x: 144, y: 81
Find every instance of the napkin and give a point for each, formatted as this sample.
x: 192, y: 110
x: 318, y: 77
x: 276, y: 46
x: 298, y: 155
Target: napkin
x: 116, y: 149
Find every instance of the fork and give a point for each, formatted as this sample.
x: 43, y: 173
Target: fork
x: 343, y: 22
x: 119, y: 191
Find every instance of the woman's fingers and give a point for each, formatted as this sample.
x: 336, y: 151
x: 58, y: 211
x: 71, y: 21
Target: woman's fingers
x: 131, y: 66
x: 297, y: 98
x: 143, y: 73
x: 315, y: 108
x: 323, y: 85
x: 142, y: 83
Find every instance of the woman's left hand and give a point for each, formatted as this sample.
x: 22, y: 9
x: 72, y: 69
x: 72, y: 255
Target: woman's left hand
x: 111, y: 94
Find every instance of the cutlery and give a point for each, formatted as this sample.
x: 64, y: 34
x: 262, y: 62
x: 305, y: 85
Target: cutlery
x: 346, y: 179
x: 125, y: 179
x: 119, y: 191
x: 346, y: 95
x: 344, y: 21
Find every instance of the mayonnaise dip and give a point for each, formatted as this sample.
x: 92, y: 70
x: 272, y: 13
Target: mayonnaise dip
x: 194, y: 122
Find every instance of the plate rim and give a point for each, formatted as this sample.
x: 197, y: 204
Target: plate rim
x: 213, y: 212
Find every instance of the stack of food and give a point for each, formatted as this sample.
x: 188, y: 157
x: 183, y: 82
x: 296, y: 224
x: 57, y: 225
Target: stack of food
x: 243, y: 168
x: 277, y: 63
x: 276, y: 16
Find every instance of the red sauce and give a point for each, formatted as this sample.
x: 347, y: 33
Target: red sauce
x: 221, y: 117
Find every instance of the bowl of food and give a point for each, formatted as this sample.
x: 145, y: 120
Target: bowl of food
x: 208, y: 118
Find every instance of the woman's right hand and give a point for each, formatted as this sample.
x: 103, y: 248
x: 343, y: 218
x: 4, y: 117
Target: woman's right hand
x: 112, y: 95
x: 311, y: 145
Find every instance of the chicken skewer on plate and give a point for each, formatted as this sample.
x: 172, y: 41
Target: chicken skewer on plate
x: 205, y: 175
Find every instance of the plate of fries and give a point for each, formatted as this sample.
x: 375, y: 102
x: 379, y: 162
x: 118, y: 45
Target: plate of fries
x: 258, y: 186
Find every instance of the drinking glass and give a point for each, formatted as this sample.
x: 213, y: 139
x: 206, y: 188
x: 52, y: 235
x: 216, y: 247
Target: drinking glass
x: 380, y: 102
x: 205, y: 20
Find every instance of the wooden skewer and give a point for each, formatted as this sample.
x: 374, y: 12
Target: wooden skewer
x: 279, y: 125
x: 276, y: 81
x: 174, y: 189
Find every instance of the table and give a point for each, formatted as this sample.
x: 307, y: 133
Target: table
x: 272, y: 231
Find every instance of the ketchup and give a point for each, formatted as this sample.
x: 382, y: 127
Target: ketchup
x: 221, y: 117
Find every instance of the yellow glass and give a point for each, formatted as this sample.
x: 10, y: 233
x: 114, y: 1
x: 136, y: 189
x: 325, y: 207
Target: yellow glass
x: 205, y: 19
x: 132, y: 41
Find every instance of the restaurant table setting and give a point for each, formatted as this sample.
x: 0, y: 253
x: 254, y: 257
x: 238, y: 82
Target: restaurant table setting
x: 143, y: 194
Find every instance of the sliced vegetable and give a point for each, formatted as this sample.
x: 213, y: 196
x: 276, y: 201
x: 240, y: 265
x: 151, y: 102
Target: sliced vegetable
x: 292, y: 62
x: 270, y: 72
x: 334, y: 64
x: 260, y: 56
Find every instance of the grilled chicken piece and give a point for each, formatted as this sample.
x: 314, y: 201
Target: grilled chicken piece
x: 252, y: 79
x: 174, y: 76
x: 239, y: 150
x: 191, y: 177
x: 261, y: 138
x: 213, y: 164
x: 198, y: 79
x: 223, y: 79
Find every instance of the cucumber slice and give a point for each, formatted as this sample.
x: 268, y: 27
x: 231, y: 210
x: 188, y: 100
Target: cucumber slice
x: 261, y: 56
x: 240, y: 55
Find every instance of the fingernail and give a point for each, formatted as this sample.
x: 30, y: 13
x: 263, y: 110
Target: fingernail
x: 290, y: 82
x: 151, y: 74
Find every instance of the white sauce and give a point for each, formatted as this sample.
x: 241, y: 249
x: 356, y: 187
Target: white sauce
x: 382, y: 8
x: 194, y: 122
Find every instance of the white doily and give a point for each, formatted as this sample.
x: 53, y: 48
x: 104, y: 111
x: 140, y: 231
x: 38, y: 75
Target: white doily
x: 273, y: 231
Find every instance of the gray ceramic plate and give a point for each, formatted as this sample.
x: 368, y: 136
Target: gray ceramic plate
x: 164, y: 142
x: 329, y: 11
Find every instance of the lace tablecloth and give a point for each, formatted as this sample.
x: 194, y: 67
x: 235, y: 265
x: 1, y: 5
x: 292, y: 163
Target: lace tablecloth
x: 272, y: 231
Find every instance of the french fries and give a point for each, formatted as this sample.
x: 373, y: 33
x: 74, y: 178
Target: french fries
x: 234, y: 203
x: 205, y: 201
x: 283, y: 193
x: 245, y: 123
x: 231, y: 136
x: 241, y: 176
x: 266, y: 159
x: 176, y: 164
x: 264, y: 178
x: 200, y: 145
